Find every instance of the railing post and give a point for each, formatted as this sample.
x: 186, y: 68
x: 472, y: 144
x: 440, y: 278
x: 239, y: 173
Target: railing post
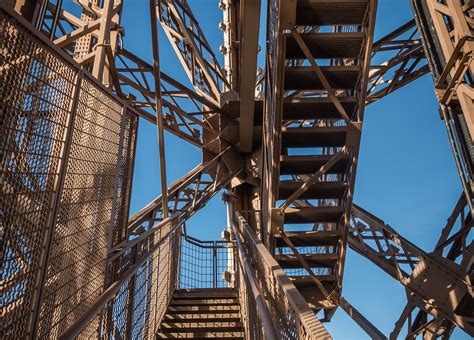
x: 214, y: 264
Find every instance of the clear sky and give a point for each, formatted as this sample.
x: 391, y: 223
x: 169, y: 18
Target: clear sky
x: 406, y: 172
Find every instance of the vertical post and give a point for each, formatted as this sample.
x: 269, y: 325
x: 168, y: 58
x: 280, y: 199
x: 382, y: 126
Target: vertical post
x: 227, y: 198
x: 214, y: 264
x: 159, y: 117
x: 103, y: 41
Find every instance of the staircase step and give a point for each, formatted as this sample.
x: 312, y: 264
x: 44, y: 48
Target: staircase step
x: 313, y: 215
x: 201, y: 335
x: 327, y: 45
x: 319, y: 190
x: 228, y: 293
x: 327, y: 260
x: 313, y: 296
x: 199, y: 326
x: 201, y: 318
x: 304, y: 165
x: 303, y: 281
x: 304, y: 77
x: 330, y: 12
x: 207, y: 302
x: 310, y: 238
x: 203, y: 309
x: 314, y: 137
x: 316, y: 108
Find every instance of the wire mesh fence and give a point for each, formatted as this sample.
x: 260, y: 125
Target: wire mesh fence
x: 205, y: 264
x: 139, y: 302
x: 67, y: 150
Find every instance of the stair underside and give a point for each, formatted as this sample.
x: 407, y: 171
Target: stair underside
x: 330, y: 12
x: 327, y: 45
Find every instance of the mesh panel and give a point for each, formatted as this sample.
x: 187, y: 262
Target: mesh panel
x: 35, y: 98
x: 77, y: 266
x: 141, y: 302
x: 203, y: 263
x: 67, y: 155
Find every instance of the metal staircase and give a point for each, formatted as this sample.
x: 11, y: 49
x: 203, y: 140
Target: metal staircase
x: 201, y: 314
x: 324, y: 51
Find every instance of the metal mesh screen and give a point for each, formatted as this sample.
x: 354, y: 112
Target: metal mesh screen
x: 203, y: 264
x: 66, y: 149
x: 36, y: 90
x: 141, y: 302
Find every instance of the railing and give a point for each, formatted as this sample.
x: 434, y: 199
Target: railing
x: 66, y: 149
x: 205, y: 264
x: 133, y: 306
x: 260, y: 279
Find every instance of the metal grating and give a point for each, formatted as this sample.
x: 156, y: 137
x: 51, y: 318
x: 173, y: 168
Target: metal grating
x: 67, y: 149
x: 136, y: 310
x: 203, y: 264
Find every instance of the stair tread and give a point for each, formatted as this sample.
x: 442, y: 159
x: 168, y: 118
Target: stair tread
x: 226, y: 293
x: 200, y: 325
x: 214, y: 335
x: 304, y: 77
x: 300, y: 281
x: 313, y: 215
x: 211, y: 329
x: 310, y: 238
x: 303, y: 165
x: 327, y: 45
x: 213, y: 318
x: 317, y: 108
x: 330, y: 12
x: 314, y: 260
x: 208, y: 302
x: 318, y: 190
x: 203, y: 309
x: 314, y: 136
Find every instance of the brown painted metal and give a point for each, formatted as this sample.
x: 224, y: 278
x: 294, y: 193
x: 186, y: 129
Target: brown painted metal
x: 436, y: 283
x: 398, y: 59
x: 308, y: 103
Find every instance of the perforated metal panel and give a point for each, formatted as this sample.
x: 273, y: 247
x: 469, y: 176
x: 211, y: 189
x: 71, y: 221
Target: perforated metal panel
x: 67, y: 149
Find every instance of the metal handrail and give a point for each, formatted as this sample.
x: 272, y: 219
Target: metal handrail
x: 307, y: 326
x: 262, y: 308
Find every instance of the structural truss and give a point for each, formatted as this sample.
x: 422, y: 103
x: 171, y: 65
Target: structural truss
x: 280, y: 143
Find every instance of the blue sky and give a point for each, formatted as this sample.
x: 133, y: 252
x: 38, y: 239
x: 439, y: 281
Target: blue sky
x: 406, y: 172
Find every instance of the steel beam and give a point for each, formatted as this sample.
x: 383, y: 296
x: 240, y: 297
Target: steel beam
x: 436, y: 283
x: 187, y: 195
x: 191, y: 47
x: 158, y: 106
x: 397, y: 60
x: 447, y: 35
x: 249, y: 28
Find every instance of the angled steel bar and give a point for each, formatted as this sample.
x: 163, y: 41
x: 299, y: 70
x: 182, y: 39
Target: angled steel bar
x: 397, y: 60
x: 158, y: 107
x: 182, y: 107
x: 185, y: 195
x: 361, y: 320
x: 192, y: 48
x: 150, y: 231
x: 319, y: 73
x: 435, y: 284
x: 313, y: 178
x: 130, y: 74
